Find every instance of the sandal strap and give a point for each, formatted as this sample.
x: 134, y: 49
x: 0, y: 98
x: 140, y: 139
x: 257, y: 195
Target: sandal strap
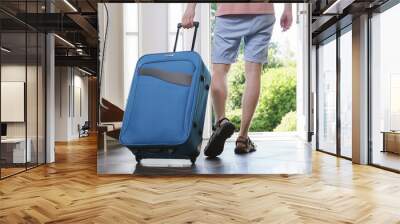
x: 243, y: 140
x: 247, y: 141
x: 218, y: 124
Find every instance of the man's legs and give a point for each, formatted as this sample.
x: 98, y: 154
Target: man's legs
x: 223, y: 128
x: 250, y: 95
x: 249, y: 104
x: 219, y: 88
x: 255, y: 54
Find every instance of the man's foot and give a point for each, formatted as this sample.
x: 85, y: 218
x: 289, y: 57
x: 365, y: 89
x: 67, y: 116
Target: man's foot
x: 224, y: 130
x: 244, y: 145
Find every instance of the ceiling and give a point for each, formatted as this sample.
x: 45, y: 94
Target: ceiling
x: 74, y: 22
x: 332, y: 15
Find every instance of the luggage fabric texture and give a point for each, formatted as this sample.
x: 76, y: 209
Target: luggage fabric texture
x: 165, y: 112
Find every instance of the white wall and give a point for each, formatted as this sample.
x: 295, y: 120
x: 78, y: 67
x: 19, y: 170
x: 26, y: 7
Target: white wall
x: 67, y: 117
x: 112, y: 76
x: 79, y: 117
x: 62, y: 81
x: 153, y: 28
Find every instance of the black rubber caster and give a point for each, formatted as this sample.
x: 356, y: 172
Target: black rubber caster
x: 138, y: 159
x: 193, y: 160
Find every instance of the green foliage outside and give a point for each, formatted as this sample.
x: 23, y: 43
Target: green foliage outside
x: 288, y: 122
x: 276, y: 109
x: 277, y: 97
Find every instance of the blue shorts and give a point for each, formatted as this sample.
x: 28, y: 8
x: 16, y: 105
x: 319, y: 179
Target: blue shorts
x: 256, y: 30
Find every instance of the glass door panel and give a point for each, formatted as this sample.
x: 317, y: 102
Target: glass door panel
x: 385, y: 89
x: 14, y: 152
x: 327, y: 97
x: 346, y: 94
x: 32, y: 99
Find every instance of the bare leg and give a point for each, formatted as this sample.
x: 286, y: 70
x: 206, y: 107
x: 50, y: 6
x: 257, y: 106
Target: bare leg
x: 219, y: 89
x: 250, y: 96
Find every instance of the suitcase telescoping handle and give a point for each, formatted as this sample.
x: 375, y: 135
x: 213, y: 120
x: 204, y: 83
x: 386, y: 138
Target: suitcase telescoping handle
x: 196, y: 26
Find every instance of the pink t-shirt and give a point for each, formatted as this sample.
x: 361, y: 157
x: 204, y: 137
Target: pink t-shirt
x: 244, y: 8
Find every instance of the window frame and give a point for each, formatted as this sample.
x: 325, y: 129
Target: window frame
x: 333, y: 37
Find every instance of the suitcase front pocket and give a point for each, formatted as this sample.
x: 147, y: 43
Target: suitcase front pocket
x: 159, y: 115
x: 172, y: 77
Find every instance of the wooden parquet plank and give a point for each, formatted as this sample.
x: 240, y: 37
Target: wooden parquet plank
x: 70, y: 191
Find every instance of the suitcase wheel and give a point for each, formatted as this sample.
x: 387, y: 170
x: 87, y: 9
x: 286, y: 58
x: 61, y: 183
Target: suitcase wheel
x: 193, y: 160
x: 138, y: 158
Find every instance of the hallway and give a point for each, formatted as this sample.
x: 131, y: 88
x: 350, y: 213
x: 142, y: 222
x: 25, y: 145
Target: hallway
x: 70, y: 191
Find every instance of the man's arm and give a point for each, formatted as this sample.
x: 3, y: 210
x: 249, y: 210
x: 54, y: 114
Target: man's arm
x: 188, y: 16
x: 287, y: 18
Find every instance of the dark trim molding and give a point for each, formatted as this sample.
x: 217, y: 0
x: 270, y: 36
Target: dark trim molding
x: 386, y: 6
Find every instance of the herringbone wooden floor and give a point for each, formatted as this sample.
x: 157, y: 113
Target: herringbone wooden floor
x: 70, y: 191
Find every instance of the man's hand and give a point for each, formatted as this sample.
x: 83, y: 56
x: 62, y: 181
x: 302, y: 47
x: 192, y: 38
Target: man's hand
x: 188, y: 16
x: 287, y: 18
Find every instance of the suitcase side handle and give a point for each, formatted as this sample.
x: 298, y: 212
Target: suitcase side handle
x: 196, y: 26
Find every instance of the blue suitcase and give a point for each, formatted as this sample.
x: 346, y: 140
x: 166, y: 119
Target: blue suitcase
x: 166, y: 106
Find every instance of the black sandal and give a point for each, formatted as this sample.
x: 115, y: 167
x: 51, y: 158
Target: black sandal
x: 222, y: 131
x: 244, y: 145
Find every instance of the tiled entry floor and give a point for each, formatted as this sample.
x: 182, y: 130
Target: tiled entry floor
x: 278, y: 153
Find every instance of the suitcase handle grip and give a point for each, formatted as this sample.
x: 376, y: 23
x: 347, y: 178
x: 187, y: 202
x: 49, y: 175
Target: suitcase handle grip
x: 196, y: 26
